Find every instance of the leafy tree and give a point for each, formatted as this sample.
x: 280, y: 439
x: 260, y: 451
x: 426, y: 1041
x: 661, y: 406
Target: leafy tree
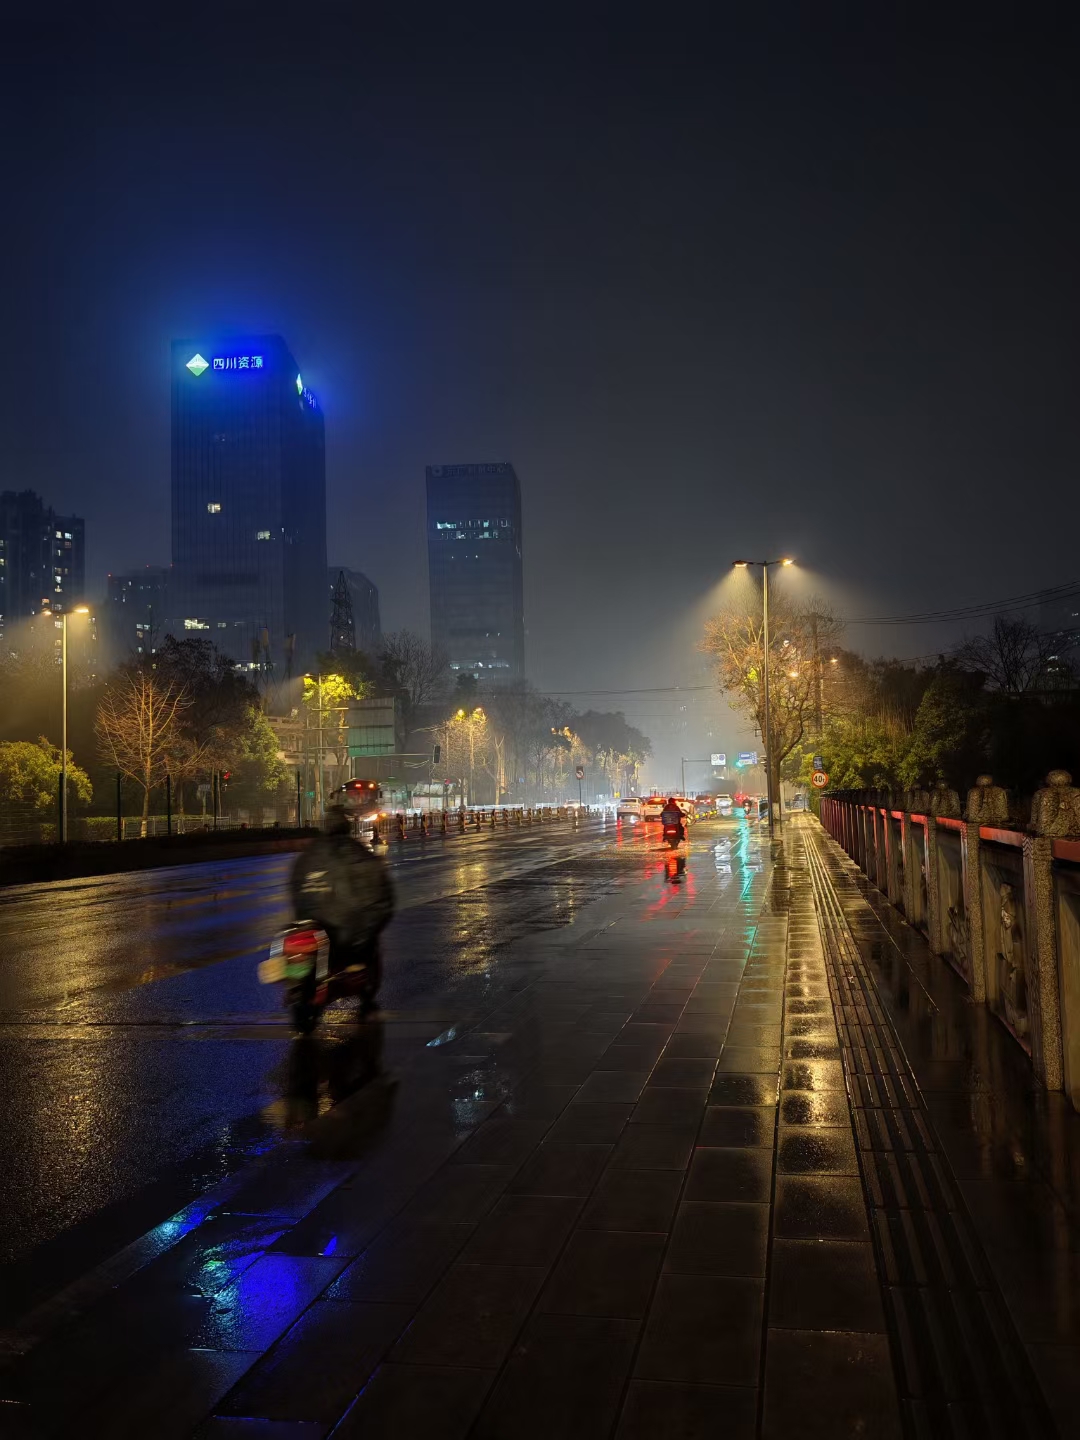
x: 30, y: 776
x: 949, y: 737
x: 138, y: 724
x: 800, y: 639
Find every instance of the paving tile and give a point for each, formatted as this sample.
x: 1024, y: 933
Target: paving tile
x: 824, y: 1285
x: 212, y: 1255
x: 809, y: 1107
x: 680, y: 1072
x: 737, y: 1173
x: 737, y: 1059
x: 733, y: 1125
x: 829, y: 1385
x: 226, y: 1428
x: 633, y: 1200
x: 619, y: 1086
x: 400, y: 1401
x: 654, y: 1147
x: 710, y: 1238
x: 345, y: 1222
x: 703, y: 1329
x: 589, y: 1124
x: 316, y: 1370
x: 1059, y: 1377
x: 167, y: 1398
x: 693, y: 1046
x: 604, y: 1272
x: 523, y: 1230
x: 813, y: 1075
x: 744, y: 1090
x: 816, y: 1150
x: 562, y: 1170
x: 458, y: 1194
x: 501, y: 1141
x: 754, y: 1037
x: 471, y: 1317
x: 669, y: 1107
x: 655, y: 1410
x: 402, y: 1265
x: 263, y: 1302
x: 820, y: 1208
x: 531, y: 1097
x: 291, y: 1189
x: 564, y: 1378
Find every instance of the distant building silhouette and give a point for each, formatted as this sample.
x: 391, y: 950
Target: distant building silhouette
x: 42, y: 558
x: 132, y: 620
x: 363, y: 597
x: 248, y: 503
x: 474, y: 568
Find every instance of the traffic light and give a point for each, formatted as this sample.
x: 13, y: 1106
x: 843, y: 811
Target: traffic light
x: 226, y: 776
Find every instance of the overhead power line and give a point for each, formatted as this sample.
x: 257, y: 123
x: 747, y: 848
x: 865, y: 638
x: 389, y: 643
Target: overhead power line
x: 979, y: 610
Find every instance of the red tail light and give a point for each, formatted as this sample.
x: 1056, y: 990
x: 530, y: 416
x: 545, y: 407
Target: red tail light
x: 301, y: 942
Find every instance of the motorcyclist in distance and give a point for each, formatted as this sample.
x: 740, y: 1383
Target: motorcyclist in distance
x: 343, y: 887
x: 672, y: 815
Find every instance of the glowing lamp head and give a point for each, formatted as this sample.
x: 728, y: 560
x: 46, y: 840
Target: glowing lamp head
x: 741, y: 564
x: 787, y: 562
x: 82, y: 610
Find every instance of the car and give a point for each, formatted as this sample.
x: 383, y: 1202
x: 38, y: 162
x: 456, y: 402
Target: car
x: 724, y: 804
x: 704, y: 805
x: 629, y: 809
x: 652, y: 806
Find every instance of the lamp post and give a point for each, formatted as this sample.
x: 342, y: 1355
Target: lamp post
x: 79, y: 610
x: 766, y: 738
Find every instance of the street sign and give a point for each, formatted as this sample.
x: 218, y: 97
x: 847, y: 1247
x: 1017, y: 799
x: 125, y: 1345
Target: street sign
x: 579, y: 771
x: 747, y: 757
x: 819, y: 764
x: 718, y: 760
x: 203, y: 790
x: 819, y: 779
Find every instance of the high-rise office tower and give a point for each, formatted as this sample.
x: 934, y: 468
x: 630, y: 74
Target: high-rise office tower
x: 474, y: 567
x: 133, y: 616
x: 42, y: 558
x: 248, y: 503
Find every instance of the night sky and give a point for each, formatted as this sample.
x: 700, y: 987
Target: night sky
x: 717, y: 286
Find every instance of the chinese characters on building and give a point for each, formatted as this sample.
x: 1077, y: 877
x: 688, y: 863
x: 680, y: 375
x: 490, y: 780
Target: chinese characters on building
x: 238, y: 362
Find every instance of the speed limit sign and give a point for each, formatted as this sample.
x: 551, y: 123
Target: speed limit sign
x: 819, y: 779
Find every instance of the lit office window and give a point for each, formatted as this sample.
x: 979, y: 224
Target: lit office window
x: 214, y: 507
x: 262, y: 535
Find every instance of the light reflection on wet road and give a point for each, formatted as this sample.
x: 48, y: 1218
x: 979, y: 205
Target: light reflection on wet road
x: 139, y: 1057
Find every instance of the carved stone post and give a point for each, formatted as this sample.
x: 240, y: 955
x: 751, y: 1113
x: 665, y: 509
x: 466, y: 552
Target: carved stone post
x: 909, y: 847
x: 1055, y: 813
x: 987, y: 804
x: 943, y: 801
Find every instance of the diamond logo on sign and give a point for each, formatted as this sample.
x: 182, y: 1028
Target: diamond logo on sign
x: 197, y: 365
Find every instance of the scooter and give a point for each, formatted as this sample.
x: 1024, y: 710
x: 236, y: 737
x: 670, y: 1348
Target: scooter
x: 300, y: 957
x: 674, y: 835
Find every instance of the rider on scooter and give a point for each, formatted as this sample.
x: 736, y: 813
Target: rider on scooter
x: 672, y: 815
x: 339, y: 884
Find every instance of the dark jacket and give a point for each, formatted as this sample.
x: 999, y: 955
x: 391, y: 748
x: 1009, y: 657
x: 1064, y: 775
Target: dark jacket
x: 342, y: 886
x: 671, y: 815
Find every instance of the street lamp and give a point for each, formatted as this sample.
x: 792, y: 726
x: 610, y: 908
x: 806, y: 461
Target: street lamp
x: 79, y: 610
x: 765, y: 564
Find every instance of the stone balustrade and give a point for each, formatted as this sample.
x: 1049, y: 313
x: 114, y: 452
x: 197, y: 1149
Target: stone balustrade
x: 996, y: 894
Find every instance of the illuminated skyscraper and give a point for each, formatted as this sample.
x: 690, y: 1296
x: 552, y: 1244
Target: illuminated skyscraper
x: 42, y: 558
x: 248, y: 503
x: 474, y: 567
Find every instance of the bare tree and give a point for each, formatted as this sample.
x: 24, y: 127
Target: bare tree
x: 138, y: 729
x: 1016, y: 657
x: 802, y: 640
x: 419, y: 672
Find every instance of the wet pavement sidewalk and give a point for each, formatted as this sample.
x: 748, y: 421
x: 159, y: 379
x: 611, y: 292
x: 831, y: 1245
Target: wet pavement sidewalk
x: 644, y: 1197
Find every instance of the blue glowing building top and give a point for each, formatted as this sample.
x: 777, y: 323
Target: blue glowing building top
x: 248, y: 503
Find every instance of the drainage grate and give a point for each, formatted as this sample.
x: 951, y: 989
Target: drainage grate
x: 961, y: 1368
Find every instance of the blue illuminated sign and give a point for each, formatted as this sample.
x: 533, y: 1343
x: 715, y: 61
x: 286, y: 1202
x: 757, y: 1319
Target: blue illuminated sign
x: 238, y: 362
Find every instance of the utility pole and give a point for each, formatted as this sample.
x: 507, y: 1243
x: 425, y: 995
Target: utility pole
x: 818, y: 706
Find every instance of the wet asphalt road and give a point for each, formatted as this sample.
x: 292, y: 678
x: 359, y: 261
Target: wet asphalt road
x: 140, y: 1059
